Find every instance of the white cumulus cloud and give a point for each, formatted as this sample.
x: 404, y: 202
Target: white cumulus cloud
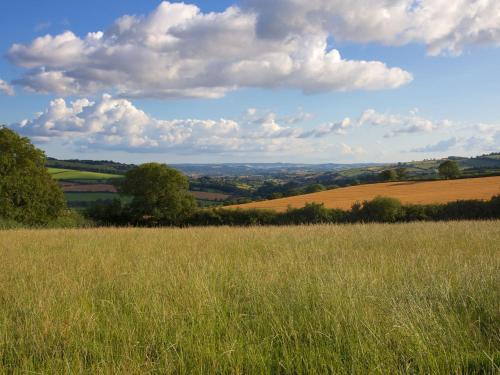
x: 444, y: 26
x: 179, y: 51
x: 117, y: 124
x: 401, y: 124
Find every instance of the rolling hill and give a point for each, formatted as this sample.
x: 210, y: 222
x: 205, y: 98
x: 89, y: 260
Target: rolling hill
x: 409, y: 192
x: 70, y: 174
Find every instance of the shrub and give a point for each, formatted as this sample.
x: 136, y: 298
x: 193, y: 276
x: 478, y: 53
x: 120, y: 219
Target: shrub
x: 381, y: 209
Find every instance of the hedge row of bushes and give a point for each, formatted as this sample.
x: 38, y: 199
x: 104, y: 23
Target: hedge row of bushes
x: 380, y: 209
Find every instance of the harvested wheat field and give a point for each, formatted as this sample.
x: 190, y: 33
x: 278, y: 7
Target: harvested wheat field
x: 416, y: 192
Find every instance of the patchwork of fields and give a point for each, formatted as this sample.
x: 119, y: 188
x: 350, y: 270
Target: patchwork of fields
x: 414, y: 192
x: 81, y: 188
x: 409, y: 298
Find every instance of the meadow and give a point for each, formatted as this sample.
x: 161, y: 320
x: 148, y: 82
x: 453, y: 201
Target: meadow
x: 70, y: 174
x: 408, y: 192
x: 378, y: 298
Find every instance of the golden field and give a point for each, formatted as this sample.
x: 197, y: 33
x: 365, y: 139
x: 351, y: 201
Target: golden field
x: 408, y: 192
x: 339, y: 299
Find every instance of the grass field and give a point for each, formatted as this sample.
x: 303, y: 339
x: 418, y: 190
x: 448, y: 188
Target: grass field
x: 416, y: 192
x: 409, y: 298
x: 70, y: 174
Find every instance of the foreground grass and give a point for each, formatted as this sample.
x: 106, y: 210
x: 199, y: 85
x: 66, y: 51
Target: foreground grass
x: 420, y: 297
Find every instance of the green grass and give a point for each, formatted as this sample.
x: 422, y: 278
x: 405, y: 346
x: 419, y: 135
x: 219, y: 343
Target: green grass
x: 70, y: 174
x: 409, y: 298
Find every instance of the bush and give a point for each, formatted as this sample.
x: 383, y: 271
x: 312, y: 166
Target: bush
x: 381, y: 209
x: 109, y: 213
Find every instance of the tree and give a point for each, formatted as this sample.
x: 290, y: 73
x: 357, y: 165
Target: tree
x: 401, y: 173
x: 314, y: 188
x: 160, y: 194
x: 449, y: 169
x: 389, y: 175
x: 28, y: 194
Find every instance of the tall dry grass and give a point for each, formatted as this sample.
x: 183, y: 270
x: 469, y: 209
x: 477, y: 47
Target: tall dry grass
x: 409, y: 298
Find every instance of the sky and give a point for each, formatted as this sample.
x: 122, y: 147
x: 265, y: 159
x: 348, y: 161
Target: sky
x: 309, y: 81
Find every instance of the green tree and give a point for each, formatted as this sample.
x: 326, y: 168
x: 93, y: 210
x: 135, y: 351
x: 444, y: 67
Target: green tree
x: 160, y: 194
x: 314, y: 188
x: 401, y: 173
x: 389, y: 175
x: 28, y: 194
x: 449, y: 169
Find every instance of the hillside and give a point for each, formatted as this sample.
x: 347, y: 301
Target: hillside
x: 70, y: 174
x: 416, y: 192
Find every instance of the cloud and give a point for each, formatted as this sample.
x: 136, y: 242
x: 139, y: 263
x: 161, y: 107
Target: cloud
x: 444, y: 26
x: 339, y: 127
x: 402, y: 124
x: 116, y: 124
x: 441, y: 146
x: 349, y: 150
x: 43, y: 25
x: 178, y: 51
x: 6, y: 88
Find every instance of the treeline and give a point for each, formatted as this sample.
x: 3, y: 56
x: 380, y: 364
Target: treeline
x: 380, y: 210
x: 98, y: 166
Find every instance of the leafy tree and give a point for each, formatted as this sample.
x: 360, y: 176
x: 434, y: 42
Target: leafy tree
x: 28, y: 194
x: 401, y: 173
x: 389, y: 175
x: 449, y: 169
x: 160, y: 194
x: 314, y: 188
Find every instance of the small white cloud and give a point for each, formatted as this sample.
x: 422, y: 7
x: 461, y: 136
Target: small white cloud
x: 441, y: 146
x: 6, y: 88
x: 350, y: 150
x: 402, y: 124
x: 43, y: 26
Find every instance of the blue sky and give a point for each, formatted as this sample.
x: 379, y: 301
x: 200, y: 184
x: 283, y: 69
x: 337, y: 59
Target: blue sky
x: 256, y: 83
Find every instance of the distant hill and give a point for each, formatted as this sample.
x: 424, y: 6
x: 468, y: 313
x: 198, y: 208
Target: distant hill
x: 423, y: 169
x: 98, y: 166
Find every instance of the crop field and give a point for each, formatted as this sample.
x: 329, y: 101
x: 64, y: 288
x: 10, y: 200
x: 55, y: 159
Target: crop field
x: 70, y: 174
x: 415, y: 192
x: 209, y: 196
x: 379, y: 298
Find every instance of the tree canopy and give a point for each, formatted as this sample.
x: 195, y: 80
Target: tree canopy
x: 160, y: 194
x: 449, y: 169
x: 28, y: 194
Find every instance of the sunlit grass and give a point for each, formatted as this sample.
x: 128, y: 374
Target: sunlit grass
x: 422, y: 297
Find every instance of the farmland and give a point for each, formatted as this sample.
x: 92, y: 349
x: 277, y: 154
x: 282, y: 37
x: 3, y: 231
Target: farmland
x: 314, y: 299
x: 410, y: 192
x: 70, y: 174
